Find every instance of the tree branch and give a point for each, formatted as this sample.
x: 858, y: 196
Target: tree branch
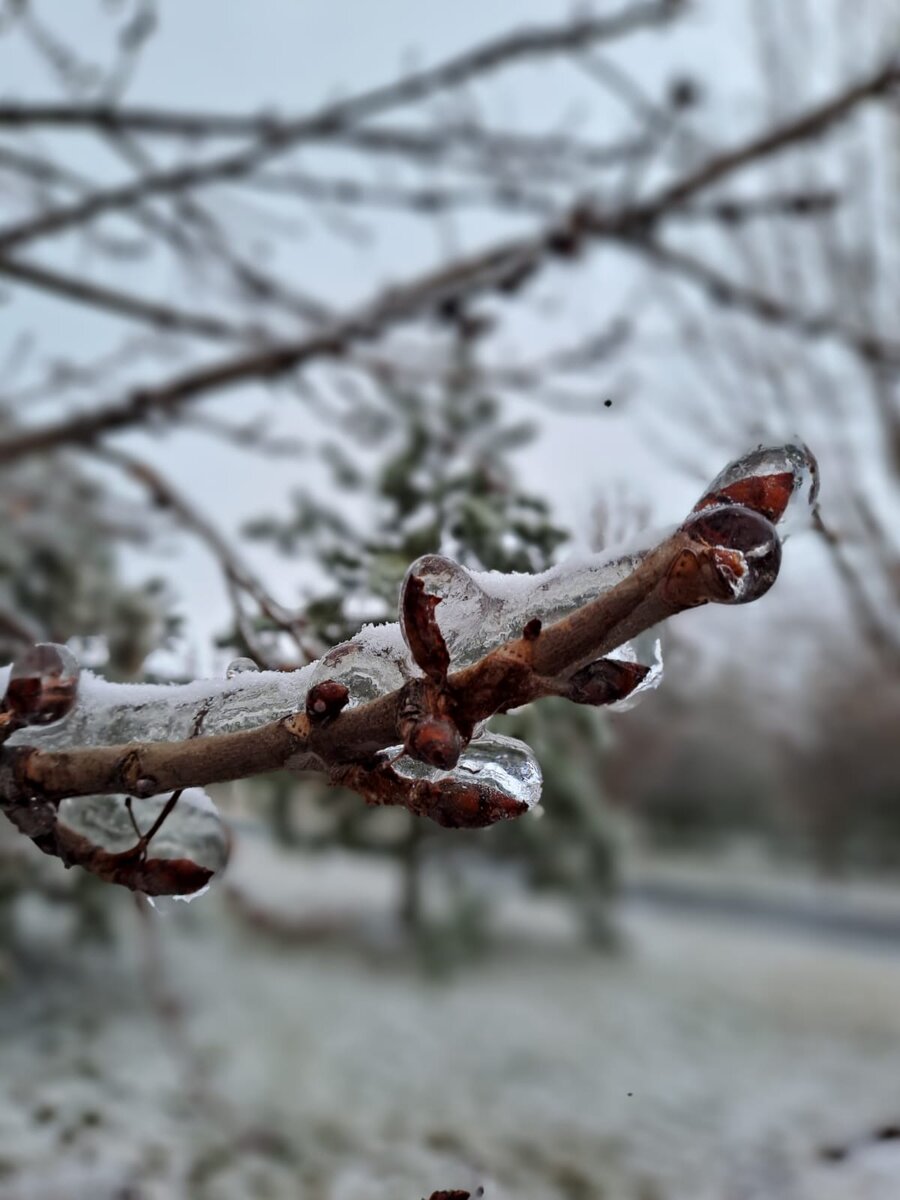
x: 162, y: 317
x: 514, y: 673
x: 505, y: 267
x: 525, y: 45
x: 237, y: 574
x: 731, y: 293
x: 727, y: 551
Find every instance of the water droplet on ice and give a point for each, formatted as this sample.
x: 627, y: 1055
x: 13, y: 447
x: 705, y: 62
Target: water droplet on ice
x: 240, y: 666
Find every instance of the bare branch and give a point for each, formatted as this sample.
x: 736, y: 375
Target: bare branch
x: 162, y: 317
x: 815, y: 122
x: 237, y: 574
x: 730, y: 293
x: 514, y: 673
x: 503, y: 267
x: 464, y: 138
x: 525, y: 45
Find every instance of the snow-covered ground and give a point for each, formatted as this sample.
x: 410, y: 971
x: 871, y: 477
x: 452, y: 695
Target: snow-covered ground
x: 702, y: 1063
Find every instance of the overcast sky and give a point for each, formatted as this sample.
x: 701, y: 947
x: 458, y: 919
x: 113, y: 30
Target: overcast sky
x: 290, y: 55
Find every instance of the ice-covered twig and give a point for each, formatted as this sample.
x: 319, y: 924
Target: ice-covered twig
x: 475, y: 645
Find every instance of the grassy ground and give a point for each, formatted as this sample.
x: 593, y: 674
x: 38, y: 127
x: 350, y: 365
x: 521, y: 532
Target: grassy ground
x: 703, y: 1062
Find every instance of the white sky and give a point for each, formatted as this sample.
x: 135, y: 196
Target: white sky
x: 291, y: 55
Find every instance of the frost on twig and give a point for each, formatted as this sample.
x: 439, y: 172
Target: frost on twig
x: 397, y: 712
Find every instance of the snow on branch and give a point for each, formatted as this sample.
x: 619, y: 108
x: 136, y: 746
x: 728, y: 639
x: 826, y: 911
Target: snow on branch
x: 110, y: 776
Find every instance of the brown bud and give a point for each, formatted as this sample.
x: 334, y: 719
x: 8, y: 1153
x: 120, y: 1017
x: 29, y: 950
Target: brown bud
x: 43, y: 685
x: 463, y: 805
x: 435, y: 741
x: 605, y: 681
x: 770, y: 480
x: 745, y: 551
x: 325, y: 700
x: 421, y: 630
x: 768, y: 495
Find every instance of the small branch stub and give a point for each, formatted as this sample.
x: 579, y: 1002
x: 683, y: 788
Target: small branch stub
x: 325, y: 700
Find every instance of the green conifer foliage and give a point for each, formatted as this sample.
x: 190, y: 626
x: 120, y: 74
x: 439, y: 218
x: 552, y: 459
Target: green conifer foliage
x: 447, y: 482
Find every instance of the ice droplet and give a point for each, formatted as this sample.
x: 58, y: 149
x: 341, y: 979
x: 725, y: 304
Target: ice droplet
x: 240, y: 666
x: 749, y: 549
x: 646, y: 650
x: 781, y: 483
x: 43, y: 684
x: 504, y: 763
x: 480, y: 610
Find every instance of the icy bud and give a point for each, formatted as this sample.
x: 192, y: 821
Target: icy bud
x: 781, y: 483
x: 605, y: 681
x: 645, y: 652
x: 240, y: 666
x: 742, y: 560
x: 618, y: 680
x: 191, y: 845
x: 434, y: 740
x: 421, y: 630
x: 496, y: 779
x: 429, y: 736
x: 43, y: 685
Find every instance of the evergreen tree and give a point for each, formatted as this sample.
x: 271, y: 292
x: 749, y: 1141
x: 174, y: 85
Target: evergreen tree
x: 448, y: 484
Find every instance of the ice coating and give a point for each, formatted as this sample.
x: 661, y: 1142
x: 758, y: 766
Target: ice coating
x: 749, y: 555
x: 483, y: 609
x: 112, y: 713
x: 42, y: 684
x: 479, y: 610
x: 504, y: 763
x: 646, y: 650
x: 192, y: 830
x: 780, y: 483
x: 374, y: 662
